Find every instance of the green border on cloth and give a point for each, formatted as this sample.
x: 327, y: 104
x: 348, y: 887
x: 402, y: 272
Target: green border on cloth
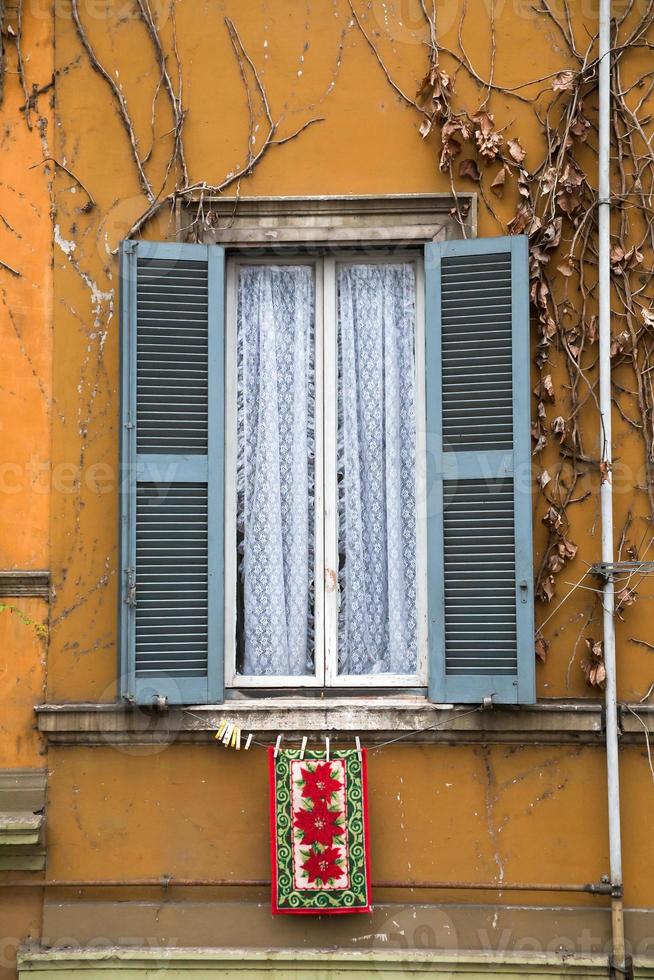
x: 286, y: 899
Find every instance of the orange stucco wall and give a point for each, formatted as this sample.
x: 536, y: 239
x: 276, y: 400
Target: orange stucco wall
x: 534, y: 812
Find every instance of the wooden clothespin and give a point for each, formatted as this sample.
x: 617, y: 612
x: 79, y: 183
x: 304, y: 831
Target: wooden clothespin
x: 326, y: 748
x: 358, y: 745
x: 248, y: 741
x: 228, y: 734
x: 304, y: 745
x: 237, y: 735
x: 221, y: 730
x: 277, y: 745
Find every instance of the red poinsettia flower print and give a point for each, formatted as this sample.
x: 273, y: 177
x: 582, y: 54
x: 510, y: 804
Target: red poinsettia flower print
x: 319, y: 824
x: 322, y: 865
x: 319, y: 784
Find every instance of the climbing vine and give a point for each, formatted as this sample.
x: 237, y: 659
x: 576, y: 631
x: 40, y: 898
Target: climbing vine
x: 556, y: 207
x: 466, y: 115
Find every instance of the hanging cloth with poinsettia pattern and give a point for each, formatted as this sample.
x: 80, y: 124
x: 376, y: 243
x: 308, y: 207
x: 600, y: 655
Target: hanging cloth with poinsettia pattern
x: 319, y: 832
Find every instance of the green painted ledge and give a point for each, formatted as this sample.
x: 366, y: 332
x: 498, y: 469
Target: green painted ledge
x: 239, y: 964
x: 20, y: 828
x: 20, y: 841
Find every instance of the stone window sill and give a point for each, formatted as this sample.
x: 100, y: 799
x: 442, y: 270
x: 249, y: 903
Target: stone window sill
x: 376, y: 719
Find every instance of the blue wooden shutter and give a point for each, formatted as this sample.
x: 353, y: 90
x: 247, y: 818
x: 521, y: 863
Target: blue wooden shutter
x: 172, y: 472
x: 480, y: 571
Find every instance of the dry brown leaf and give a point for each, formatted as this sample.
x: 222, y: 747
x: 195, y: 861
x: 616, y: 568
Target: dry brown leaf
x: 539, y: 436
x: 648, y: 317
x: 449, y: 151
x: 499, y: 182
x: 563, y: 81
x: 620, y: 343
x: 573, y: 341
x: 552, y: 519
x: 522, y: 220
x: 544, y: 479
x: 626, y: 597
x: 469, y: 168
x: 594, y: 668
x: 548, y: 180
x: 489, y: 142
x: 622, y: 261
x: 570, y: 192
x: 426, y: 126
x: 605, y: 470
x: 570, y: 549
x: 580, y: 125
x: 566, y: 268
x: 542, y: 648
x: 546, y: 589
x: 559, y: 427
x: 548, y: 387
x: 516, y: 150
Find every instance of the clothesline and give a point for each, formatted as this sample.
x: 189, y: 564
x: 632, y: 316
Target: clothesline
x: 377, y: 747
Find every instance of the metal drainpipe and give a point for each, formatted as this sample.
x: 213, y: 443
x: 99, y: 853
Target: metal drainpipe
x: 606, y: 487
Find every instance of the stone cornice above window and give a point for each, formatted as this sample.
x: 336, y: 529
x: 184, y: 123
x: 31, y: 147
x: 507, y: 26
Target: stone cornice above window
x: 375, y: 719
x: 392, y: 219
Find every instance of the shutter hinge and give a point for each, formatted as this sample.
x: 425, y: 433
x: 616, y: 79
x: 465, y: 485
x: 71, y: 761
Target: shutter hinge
x: 129, y: 245
x: 130, y: 596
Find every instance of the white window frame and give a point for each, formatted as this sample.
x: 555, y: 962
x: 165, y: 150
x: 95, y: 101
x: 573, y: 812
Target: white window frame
x: 326, y: 491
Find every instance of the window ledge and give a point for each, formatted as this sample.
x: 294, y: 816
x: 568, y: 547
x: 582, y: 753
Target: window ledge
x: 20, y: 842
x: 343, y: 962
x: 377, y: 719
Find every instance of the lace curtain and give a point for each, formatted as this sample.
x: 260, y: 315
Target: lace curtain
x: 376, y: 469
x: 275, y: 468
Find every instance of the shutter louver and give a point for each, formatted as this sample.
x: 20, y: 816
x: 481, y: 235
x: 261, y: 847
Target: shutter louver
x: 172, y: 484
x: 480, y: 548
x: 172, y: 393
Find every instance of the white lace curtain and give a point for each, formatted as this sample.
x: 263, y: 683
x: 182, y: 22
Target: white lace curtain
x: 275, y: 467
x: 376, y: 469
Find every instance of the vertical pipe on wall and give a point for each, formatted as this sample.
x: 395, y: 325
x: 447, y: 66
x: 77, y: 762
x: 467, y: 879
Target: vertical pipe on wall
x: 606, y: 484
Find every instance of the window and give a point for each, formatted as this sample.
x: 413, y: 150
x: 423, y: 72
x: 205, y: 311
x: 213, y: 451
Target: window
x: 325, y: 402
x: 326, y: 472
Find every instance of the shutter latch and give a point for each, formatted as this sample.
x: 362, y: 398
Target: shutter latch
x: 524, y: 591
x: 130, y: 596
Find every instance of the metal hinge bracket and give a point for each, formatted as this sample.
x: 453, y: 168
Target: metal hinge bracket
x: 130, y: 592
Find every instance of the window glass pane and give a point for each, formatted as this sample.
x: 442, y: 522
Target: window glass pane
x: 275, y: 469
x: 376, y: 469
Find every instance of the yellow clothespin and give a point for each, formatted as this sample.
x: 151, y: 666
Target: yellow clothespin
x: 304, y: 745
x: 221, y: 730
x: 232, y: 741
x: 238, y: 739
